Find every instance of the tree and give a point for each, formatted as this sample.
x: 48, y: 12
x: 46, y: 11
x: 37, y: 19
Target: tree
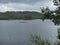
x: 46, y: 12
x: 56, y: 2
x: 57, y: 11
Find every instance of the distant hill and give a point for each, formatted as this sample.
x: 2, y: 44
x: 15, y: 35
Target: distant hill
x: 20, y: 15
x: 22, y: 12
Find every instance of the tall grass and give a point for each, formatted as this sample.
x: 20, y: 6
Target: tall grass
x: 38, y: 41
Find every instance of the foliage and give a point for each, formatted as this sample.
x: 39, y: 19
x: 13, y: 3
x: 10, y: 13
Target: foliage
x: 37, y: 40
x: 46, y: 13
x: 27, y: 16
x: 19, y: 15
x: 57, y: 11
x: 56, y: 2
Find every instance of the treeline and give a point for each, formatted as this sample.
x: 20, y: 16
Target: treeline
x: 19, y: 15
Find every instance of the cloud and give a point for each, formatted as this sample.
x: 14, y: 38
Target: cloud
x: 25, y: 6
x: 19, y: 1
x: 17, y: 7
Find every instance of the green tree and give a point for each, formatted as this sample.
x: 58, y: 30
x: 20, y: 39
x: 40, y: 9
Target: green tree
x: 56, y: 2
x: 57, y: 11
x: 47, y: 13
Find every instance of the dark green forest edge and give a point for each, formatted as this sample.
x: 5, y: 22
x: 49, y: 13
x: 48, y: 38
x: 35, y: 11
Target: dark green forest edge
x: 19, y: 15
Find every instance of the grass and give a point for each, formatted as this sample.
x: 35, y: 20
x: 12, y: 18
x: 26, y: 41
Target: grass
x: 37, y: 40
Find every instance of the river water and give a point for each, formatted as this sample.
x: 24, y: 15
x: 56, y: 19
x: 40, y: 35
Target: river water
x: 17, y: 32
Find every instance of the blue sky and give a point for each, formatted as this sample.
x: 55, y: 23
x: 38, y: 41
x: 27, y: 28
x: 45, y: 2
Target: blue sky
x: 25, y: 5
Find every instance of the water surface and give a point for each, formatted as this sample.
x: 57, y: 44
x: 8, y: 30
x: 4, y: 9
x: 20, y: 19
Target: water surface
x: 17, y: 32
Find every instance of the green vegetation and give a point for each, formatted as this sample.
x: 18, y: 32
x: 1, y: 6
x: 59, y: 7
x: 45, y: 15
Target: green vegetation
x: 19, y: 15
x: 58, y: 37
x: 37, y: 40
x: 48, y: 14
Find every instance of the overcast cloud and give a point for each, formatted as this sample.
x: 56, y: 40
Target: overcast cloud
x: 25, y: 5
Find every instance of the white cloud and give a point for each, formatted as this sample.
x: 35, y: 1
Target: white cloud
x: 46, y: 4
x: 25, y: 7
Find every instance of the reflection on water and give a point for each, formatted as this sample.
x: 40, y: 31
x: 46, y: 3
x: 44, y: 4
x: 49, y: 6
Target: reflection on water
x: 39, y: 41
x: 14, y: 33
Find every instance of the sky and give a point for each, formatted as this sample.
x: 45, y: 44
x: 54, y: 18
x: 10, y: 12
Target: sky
x: 25, y: 5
